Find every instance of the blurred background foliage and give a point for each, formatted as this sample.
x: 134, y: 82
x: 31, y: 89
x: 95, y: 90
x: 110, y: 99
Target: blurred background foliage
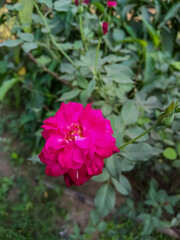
x: 138, y: 74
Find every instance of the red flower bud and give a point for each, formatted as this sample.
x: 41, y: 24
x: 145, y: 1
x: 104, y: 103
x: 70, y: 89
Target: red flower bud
x: 105, y: 27
x: 111, y: 4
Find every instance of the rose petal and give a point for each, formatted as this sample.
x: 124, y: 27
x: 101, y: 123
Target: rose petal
x: 78, y: 155
x: 66, y: 159
x: 55, y: 142
x: 79, y: 176
x: 84, y: 142
x: 106, y: 140
x: 68, y: 180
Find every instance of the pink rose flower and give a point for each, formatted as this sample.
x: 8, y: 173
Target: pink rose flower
x: 111, y: 4
x: 77, y: 141
x: 105, y: 27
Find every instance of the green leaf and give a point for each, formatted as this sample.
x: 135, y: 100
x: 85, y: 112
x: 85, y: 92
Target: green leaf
x: 176, y: 65
x: 149, y: 66
x: 102, y: 226
x: 66, y: 46
x: 94, y: 217
x: 125, y: 183
x: 69, y: 95
x: 88, y: 60
x: 140, y: 152
x: 105, y: 199
x: 170, y: 14
x: 11, y: 43
x: 106, y: 109
x: 43, y: 60
x: 82, y: 82
x: 37, y: 100
x: 129, y: 112
x: 143, y: 43
x: 125, y: 165
x: 111, y: 166
x: 113, y: 59
x: 67, y: 68
x: 26, y: 14
x: 2, y: 3
x: 35, y: 159
x: 123, y: 89
x: 119, y: 187
x: 46, y: 2
x: 90, y: 87
x: 27, y: 47
x: 3, y: 66
x: 170, y: 153
x: 176, y: 163
x: 118, y: 34
x: 86, y: 94
x: 17, y: 7
x: 178, y: 148
x: 27, y: 118
x: 135, y: 131
x: 119, y: 73
x: 123, y: 186
x: 6, y: 86
x: 62, y: 6
x: 27, y: 37
x: 152, y: 32
x: 99, y: 6
x: 167, y: 39
x: 102, y: 177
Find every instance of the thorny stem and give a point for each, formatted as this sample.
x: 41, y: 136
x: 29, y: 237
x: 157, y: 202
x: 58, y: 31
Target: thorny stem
x: 52, y: 37
x: 97, y: 53
x: 141, y: 135
x: 82, y: 32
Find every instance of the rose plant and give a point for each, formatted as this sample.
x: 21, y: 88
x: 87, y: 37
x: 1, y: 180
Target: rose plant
x: 127, y: 65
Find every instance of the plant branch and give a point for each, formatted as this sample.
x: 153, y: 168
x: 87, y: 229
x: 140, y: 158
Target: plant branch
x: 97, y: 53
x: 141, y: 135
x: 47, y: 70
x: 53, y: 39
x: 82, y: 31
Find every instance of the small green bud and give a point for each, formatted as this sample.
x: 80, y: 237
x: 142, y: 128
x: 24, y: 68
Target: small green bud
x: 168, y: 120
x: 80, y: 9
x: 100, y: 31
x: 167, y: 116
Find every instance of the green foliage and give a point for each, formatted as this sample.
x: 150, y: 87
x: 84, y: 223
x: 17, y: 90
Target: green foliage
x: 6, y: 86
x: 137, y: 74
x: 127, y: 230
x: 170, y: 153
x: 25, y: 14
x: 27, y: 214
x: 140, y: 152
x: 105, y: 199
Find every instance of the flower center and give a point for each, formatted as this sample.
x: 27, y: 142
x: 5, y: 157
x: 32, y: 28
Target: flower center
x: 74, y: 132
